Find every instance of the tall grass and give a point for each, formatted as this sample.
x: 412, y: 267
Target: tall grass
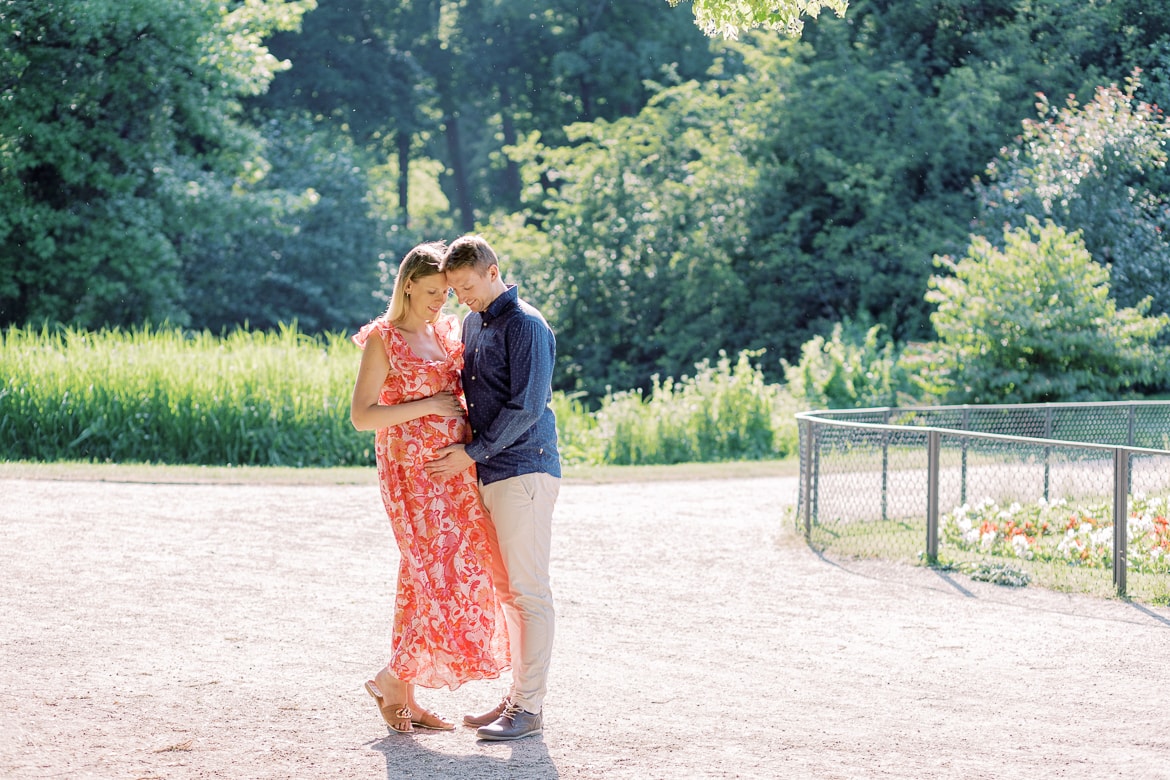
x: 723, y: 412
x: 163, y: 395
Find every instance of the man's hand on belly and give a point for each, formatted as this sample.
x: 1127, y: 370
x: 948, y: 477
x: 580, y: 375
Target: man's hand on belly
x: 450, y: 461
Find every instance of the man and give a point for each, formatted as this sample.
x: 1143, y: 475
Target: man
x: 507, y: 377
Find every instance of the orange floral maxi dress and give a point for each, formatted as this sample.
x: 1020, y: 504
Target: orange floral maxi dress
x: 449, y: 627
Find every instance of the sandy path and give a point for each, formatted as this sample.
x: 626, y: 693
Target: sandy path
x: 224, y: 631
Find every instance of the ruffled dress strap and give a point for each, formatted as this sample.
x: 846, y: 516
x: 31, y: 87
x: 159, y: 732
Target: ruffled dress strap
x: 380, y: 325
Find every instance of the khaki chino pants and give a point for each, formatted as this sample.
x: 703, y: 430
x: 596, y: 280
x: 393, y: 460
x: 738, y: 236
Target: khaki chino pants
x: 521, y: 510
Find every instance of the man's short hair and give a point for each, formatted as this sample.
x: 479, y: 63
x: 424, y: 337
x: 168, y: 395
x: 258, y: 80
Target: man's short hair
x: 469, y: 252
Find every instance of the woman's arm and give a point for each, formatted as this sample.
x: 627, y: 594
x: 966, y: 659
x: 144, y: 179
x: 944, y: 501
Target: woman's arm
x: 367, y: 414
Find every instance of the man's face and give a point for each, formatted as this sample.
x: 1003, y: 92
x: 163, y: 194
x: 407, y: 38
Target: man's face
x: 476, y: 291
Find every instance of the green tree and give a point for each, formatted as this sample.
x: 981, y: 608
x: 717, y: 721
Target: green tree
x: 456, y: 82
x: 521, y: 67
x: 1099, y: 168
x: 860, y: 142
x: 301, y: 245
x: 643, y: 219
x: 884, y: 120
x: 116, y: 115
x: 1034, y: 322
x: 356, y: 69
x: 567, y: 62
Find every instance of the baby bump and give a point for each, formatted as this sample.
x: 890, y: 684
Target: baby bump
x: 417, y: 441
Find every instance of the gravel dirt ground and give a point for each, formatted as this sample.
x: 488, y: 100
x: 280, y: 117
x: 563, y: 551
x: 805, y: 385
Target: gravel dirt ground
x: 183, y: 630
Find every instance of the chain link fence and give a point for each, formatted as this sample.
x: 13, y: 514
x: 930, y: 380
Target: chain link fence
x: 1070, y: 496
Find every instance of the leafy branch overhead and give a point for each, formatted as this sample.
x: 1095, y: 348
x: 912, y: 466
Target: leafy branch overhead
x: 727, y: 18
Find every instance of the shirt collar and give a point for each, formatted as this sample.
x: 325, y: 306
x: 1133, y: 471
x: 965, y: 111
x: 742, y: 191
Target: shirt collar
x: 502, y: 303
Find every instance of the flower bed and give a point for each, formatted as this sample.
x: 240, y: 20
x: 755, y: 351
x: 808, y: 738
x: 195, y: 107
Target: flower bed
x: 1057, y: 531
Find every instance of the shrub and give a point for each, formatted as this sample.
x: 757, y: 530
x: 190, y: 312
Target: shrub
x: 1034, y: 322
x: 724, y: 412
x: 848, y: 370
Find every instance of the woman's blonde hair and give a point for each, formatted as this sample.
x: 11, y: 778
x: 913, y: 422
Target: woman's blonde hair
x: 422, y: 261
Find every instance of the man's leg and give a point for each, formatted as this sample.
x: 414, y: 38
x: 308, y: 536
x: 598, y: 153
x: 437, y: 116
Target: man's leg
x: 521, y: 510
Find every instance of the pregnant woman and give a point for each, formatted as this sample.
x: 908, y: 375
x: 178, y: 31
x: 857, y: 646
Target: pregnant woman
x: 449, y: 627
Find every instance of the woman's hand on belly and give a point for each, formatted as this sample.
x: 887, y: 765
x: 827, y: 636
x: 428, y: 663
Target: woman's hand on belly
x: 446, y: 404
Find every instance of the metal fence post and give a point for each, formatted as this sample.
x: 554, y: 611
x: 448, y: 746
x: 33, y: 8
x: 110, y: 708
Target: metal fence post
x: 1047, y: 450
x: 1130, y: 441
x: 933, y: 446
x: 886, y: 469
x: 814, y: 441
x: 806, y: 476
x: 963, y: 470
x: 1120, y: 517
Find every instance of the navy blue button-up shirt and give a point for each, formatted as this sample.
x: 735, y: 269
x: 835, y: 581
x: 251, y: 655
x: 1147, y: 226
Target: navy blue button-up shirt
x: 507, y: 376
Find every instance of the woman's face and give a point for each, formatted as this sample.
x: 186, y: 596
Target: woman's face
x: 428, y: 295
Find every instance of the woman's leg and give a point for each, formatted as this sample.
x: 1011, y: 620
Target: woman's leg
x: 393, y: 697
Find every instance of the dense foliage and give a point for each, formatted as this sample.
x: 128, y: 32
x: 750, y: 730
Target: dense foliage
x: 723, y: 412
x: 1100, y: 169
x: 849, y: 370
x: 662, y: 196
x: 118, y: 118
x: 432, y: 80
x: 641, y: 231
x: 837, y: 167
x: 728, y: 17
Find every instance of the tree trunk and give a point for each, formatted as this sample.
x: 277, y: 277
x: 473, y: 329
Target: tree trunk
x: 459, y: 173
x: 403, y: 140
x: 511, y: 182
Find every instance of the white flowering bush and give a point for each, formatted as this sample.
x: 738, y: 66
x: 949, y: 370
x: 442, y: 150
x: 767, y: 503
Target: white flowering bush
x: 1149, y: 534
x: 991, y: 529
x: 1056, y: 531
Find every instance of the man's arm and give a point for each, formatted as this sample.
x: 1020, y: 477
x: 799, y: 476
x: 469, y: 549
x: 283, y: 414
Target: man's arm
x: 532, y: 350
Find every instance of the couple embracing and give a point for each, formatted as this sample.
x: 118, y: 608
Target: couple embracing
x: 466, y: 449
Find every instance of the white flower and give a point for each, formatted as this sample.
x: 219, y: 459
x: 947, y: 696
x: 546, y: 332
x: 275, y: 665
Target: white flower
x: 1139, y: 524
x: 1070, y: 543
x: 987, y: 540
x: 1020, y: 547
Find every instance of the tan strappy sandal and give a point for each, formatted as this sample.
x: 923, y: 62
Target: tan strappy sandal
x: 391, y: 713
x: 429, y: 720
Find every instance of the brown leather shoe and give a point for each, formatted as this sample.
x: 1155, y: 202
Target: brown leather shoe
x: 487, y: 717
x: 513, y: 723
